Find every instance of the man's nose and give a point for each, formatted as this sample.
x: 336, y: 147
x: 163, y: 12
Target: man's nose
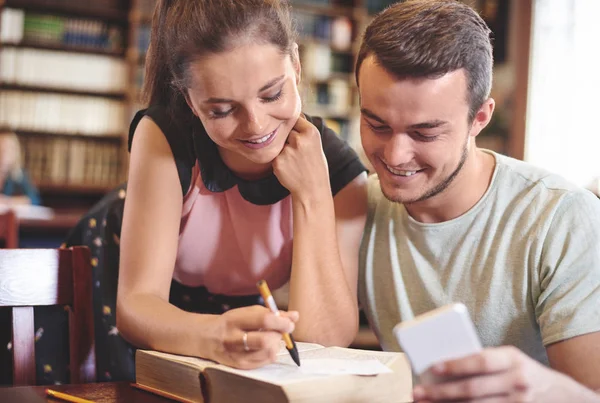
x: 399, y: 150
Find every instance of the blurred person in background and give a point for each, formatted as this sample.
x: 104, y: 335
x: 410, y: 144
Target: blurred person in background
x: 14, y: 181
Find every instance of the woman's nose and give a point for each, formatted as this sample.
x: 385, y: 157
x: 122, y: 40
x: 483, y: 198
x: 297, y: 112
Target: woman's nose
x: 255, y: 122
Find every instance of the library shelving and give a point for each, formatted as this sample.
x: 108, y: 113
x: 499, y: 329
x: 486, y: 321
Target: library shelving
x: 63, y: 91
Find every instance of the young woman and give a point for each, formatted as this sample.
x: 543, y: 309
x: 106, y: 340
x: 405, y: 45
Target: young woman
x: 230, y: 183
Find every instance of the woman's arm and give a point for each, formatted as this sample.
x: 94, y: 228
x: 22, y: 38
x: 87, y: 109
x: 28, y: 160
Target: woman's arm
x: 149, y: 242
x: 326, y: 242
x: 327, y: 234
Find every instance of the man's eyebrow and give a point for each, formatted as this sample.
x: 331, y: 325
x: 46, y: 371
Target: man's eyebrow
x: 263, y: 88
x: 423, y: 125
x: 371, y: 115
x: 429, y: 125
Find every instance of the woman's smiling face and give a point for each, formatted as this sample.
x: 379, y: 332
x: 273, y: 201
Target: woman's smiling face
x: 248, y: 101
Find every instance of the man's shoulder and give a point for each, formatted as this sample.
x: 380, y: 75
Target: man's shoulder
x: 536, y: 185
x: 523, y: 174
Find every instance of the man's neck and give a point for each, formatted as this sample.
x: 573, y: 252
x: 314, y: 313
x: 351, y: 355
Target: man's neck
x: 463, y: 193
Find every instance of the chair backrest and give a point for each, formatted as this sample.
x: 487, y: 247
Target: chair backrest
x: 41, y: 277
x: 9, y: 229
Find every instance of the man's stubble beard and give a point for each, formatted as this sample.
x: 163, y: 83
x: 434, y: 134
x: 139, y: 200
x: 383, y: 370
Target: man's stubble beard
x: 440, y: 187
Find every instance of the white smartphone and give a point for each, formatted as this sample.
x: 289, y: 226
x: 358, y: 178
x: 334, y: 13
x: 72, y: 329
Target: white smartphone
x: 443, y: 334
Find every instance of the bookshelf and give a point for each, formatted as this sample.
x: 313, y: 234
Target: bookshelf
x: 63, y: 91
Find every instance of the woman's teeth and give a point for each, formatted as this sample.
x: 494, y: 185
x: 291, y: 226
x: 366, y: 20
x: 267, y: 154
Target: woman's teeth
x: 260, y: 140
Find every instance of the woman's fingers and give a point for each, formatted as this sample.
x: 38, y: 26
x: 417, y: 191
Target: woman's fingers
x: 258, y: 317
x: 262, y: 349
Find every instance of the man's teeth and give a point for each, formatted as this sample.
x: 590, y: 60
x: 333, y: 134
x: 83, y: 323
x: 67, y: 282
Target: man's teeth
x: 399, y: 172
x: 260, y: 140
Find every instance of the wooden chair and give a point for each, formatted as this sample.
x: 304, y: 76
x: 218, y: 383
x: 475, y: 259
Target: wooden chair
x: 9, y: 229
x: 36, y: 277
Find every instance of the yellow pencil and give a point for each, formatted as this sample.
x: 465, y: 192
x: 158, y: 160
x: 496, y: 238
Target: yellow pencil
x: 290, y: 344
x: 66, y: 397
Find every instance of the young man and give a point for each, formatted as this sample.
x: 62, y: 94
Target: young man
x: 449, y: 222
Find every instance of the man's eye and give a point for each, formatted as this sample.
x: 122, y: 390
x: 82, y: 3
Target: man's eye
x: 424, y: 137
x: 377, y: 128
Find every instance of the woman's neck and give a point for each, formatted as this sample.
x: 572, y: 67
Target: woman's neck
x: 245, y: 169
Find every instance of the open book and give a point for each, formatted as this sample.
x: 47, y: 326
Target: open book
x: 327, y: 374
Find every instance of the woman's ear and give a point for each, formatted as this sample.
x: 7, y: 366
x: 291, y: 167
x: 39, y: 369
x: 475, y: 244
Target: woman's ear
x: 189, y: 102
x: 296, y: 63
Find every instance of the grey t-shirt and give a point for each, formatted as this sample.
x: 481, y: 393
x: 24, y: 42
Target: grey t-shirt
x: 525, y: 260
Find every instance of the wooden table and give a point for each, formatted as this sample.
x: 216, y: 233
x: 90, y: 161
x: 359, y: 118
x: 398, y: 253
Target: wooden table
x: 49, y: 233
x: 118, y: 392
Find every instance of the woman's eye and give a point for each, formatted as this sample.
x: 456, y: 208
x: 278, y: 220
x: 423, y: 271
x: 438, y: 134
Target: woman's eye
x: 274, y: 97
x: 217, y: 114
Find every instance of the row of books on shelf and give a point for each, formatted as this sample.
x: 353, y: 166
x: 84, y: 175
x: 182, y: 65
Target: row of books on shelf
x: 18, y: 25
x: 143, y: 38
x: 68, y: 114
x: 71, y: 161
x: 334, y: 31
x: 62, y: 70
x: 146, y: 7
x: 375, y: 6
x: 334, y: 96
x: 93, y: 5
x: 319, y: 62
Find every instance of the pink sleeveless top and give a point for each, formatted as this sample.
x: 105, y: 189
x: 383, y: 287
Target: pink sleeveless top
x: 227, y: 244
x: 235, y: 232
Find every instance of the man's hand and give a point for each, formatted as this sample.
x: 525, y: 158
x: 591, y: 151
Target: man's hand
x: 502, y: 374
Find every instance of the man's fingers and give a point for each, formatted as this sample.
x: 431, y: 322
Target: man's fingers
x: 471, y: 388
x: 490, y: 399
x: 490, y: 360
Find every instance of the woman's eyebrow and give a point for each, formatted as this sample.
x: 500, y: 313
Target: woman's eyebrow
x: 263, y: 88
x: 271, y: 83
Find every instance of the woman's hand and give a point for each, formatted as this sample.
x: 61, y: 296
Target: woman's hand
x: 250, y: 337
x: 301, y: 166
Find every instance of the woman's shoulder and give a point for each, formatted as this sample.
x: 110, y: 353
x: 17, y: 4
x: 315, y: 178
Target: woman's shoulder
x: 178, y: 135
x: 342, y: 160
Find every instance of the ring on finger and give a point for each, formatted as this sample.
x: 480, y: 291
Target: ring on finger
x: 245, y: 340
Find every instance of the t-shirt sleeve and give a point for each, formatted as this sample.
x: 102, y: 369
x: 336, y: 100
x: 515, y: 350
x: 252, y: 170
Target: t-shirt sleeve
x: 343, y: 162
x: 568, y: 304
x: 179, y: 139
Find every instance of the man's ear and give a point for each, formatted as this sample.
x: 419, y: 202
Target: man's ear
x: 296, y: 63
x: 483, y: 116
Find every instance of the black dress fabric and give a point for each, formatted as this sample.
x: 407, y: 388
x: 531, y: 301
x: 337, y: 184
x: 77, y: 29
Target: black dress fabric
x: 189, y: 142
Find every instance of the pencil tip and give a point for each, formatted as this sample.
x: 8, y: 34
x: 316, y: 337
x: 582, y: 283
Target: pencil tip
x: 295, y: 356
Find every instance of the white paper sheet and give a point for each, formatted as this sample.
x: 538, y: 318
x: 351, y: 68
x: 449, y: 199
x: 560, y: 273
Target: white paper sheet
x: 285, y: 372
x: 333, y: 366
